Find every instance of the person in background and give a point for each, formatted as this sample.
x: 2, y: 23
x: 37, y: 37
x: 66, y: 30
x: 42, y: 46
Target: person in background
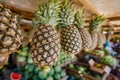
x: 110, y: 44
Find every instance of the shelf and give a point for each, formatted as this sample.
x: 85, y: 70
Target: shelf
x: 66, y: 63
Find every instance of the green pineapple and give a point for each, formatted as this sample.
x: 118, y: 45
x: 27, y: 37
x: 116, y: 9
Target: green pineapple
x: 85, y: 36
x: 45, y: 46
x: 70, y: 38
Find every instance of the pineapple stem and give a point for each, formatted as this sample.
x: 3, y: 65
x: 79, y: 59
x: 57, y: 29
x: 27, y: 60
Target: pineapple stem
x: 95, y: 25
x: 79, y: 19
x: 47, y: 13
x: 66, y: 14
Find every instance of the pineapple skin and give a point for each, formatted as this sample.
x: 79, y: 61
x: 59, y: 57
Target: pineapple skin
x: 100, y: 40
x: 94, y: 37
x: 10, y: 31
x: 71, y: 40
x: 104, y: 38
x: 45, y: 46
x: 4, y: 59
x: 86, y: 39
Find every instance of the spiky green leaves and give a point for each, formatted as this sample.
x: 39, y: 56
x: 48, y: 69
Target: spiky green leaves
x: 95, y: 24
x: 79, y: 19
x: 47, y: 13
x: 66, y: 14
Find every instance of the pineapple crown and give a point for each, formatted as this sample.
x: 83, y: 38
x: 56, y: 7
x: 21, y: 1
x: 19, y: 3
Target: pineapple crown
x: 47, y: 13
x: 66, y: 14
x: 95, y: 25
x: 79, y: 18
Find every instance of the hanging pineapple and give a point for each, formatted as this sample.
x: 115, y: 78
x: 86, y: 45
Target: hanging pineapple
x: 93, y: 33
x: 70, y: 38
x: 98, y: 39
x: 10, y: 31
x: 109, y: 32
x: 45, y: 46
x: 85, y: 36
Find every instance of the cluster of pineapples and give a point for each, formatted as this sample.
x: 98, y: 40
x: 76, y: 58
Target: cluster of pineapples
x: 10, y: 34
x: 58, y: 24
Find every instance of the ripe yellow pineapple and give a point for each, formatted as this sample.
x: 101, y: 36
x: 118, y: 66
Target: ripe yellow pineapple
x: 45, y: 44
x: 70, y: 38
x: 85, y: 36
x: 10, y: 31
x: 95, y: 30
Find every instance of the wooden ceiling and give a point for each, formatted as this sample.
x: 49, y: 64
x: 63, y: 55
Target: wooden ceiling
x: 110, y: 9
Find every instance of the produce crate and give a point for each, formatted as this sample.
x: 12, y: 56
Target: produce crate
x: 106, y: 68
x: 82, y: 57
x: 78, y: 75
x: 109, y: 77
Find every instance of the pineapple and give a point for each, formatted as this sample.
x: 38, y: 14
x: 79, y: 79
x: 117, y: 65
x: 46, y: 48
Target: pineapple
x: 10, y: 31
x: 45, y: 44
x: 94, y: 34
x: 70, y: 38
x: 108, y: 35
x: 85, y: 36
x: 104, y: 37
x: 4, y: 59
x: 95, y: 30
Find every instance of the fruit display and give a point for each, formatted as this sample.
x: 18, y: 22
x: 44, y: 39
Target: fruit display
x: 55, y: 73
x: 70, y: 37
x: 65, y: 58
x: 85, y: 36
x: 31, y: 71
x: 109, y: 60
x: 45, y: 46
x: 24, y: 55
x: 100, y: 53
x: 82, y: 71
x: 10, y: 30
x: 76, y: 67
x: 59, y: 41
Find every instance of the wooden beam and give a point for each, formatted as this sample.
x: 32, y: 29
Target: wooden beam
x: 116, y: 28
x: 115, y: 35
x: 88, y: 5
x: 113, y: 14
x: 114, y: 18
